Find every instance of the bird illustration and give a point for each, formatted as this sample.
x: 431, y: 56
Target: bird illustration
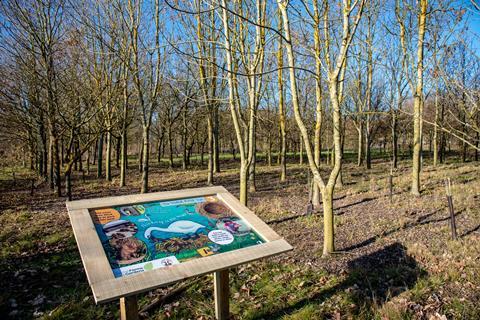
x: 181, y: 226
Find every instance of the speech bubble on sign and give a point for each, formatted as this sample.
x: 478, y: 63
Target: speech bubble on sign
x: 221, y: 237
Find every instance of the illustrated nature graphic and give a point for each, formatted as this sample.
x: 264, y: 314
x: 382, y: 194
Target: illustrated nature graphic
x: 181, y: 226
x: 143, y: 237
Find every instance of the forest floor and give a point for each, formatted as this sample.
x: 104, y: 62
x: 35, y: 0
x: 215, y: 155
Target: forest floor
x: 396, y: 259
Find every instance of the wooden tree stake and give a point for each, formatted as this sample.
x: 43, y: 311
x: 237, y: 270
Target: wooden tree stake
x: 390, y: 183
x: 129, y: 308
x: 453, y: 224
x: 221, y: 293
x: 310, y: 183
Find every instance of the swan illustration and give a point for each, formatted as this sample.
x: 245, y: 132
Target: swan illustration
x: 181, y: 226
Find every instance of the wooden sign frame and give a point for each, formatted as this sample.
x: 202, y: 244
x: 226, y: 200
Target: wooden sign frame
x: 106, y: 287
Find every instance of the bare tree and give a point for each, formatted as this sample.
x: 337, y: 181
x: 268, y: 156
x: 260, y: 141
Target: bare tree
x: 334, y: 70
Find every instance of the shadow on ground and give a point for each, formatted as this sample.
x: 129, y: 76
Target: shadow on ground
x: 54, y: 281
x: 372, y: 280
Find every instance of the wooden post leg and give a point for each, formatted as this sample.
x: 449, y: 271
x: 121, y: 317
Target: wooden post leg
x: 222, y: 294
x: 129, y: 308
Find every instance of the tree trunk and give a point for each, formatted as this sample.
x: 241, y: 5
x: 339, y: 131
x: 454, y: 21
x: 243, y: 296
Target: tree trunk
x: 243, y: 183
x: 108, y: 160
x: 232, y: 148
x: 160, y: 147
x: 79, y: 157
x: 252, y: 139
x: 184, y: 138
x: 73, y: 150
x: 435, y: 127
x: 327, y: 190
x: 170, y: 145
x: 95, y: 153
x: 281, y: 113
x: 300, y: 150
x: 328, y: 221
x: 140, y: 156
x: 394, y: 140
x: 216, y: 140
x: 51, y: 179
x: 56, y: 161
x: 269, y: 149
x: 418, y: 102
x: 124, y: 157
x: 88, y: 161
x: 342, y: 146
x: 100, y: 156
x: 68, y: 184
x: 62, y: 152
x: 210, y: 147
x: 202, y: 153
x: 360, y: 146
x: 478, y: 145
x: 118, y: 153
x: 251, y: 168
x: 146, y: 155
x: 318, y: 102
x: 368, y: 154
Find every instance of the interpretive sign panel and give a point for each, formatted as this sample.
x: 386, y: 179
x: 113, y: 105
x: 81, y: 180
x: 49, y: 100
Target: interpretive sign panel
x: 157, y: 234
x: 135, y: 243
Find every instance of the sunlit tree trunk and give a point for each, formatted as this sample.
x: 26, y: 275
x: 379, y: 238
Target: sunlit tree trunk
x: 123, y: 132
x: 394, y: 139
x: 418, y: 101
x: 333, y: 84
x: 318, y: 101
x: 281, y: 110
x: 207, y: 70
x: 368, y: 98
x: 216, y: 133
x: 435, y: 127
x: 254, y: 62
x: 149, y: 91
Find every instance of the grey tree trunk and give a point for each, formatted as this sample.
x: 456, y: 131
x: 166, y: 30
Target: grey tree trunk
x: 100, y: 156
x: 56, y: 160
x: 124, y: 158
x: 216, y: 140
x: 170, y: 146
x: 108, y: 160
x: 210, y: 148
x: 145, y: 160
x: 360, y: 146
x: 251, y: 174
x: 394, y: 140
x: 184, y: 138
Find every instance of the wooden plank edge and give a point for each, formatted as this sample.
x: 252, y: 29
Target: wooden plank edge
x: 280, y: 246
x: 143, y: 197
x: 80, y: 231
